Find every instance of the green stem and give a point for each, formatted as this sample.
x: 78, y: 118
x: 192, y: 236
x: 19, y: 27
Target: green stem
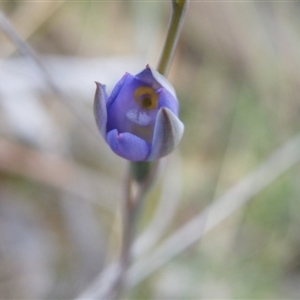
x: 175, y: 25
x: 142, y: 174
x: 140, y: 170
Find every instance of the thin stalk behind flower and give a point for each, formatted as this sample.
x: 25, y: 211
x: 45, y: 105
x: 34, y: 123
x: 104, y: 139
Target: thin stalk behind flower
x: 175, y: 25
x: 143, y: 174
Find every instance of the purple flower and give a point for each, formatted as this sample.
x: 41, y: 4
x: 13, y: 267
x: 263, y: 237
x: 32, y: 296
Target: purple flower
x: 139, y: 119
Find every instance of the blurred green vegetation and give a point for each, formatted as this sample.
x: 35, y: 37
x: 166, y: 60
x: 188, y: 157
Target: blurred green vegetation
x: 236, y: 72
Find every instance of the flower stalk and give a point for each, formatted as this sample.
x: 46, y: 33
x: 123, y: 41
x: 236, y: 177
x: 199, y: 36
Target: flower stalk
x: 175, y: 25
x: 139, y: 170
x: 141, y: 174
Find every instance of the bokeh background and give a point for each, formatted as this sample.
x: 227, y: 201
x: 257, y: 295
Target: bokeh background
x: 237, y: 75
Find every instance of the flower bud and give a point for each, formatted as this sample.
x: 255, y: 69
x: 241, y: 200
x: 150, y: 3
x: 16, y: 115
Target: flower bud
x: 139, y: 120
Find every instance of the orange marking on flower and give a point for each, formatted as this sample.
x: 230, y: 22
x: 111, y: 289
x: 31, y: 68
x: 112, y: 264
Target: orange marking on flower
x: 146, y: 97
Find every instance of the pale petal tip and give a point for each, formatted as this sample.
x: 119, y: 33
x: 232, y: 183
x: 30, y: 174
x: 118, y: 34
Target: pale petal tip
x: 168, y: 132
x: 100, y: 112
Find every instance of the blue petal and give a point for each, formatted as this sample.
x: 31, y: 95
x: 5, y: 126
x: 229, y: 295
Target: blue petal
x: 128, y: 146
x: 168, y: 132
x: 163, y: 81
x: 167, y: 100
x: 100, y: 110
x: 121, y: 104
x: 117, y: 89
x: 156, y: 80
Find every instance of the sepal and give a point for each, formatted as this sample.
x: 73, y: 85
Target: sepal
x: 100, y: 110
x: 168, y: 132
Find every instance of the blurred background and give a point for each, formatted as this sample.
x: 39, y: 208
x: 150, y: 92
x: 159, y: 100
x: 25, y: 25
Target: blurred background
x: 237, y: 75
